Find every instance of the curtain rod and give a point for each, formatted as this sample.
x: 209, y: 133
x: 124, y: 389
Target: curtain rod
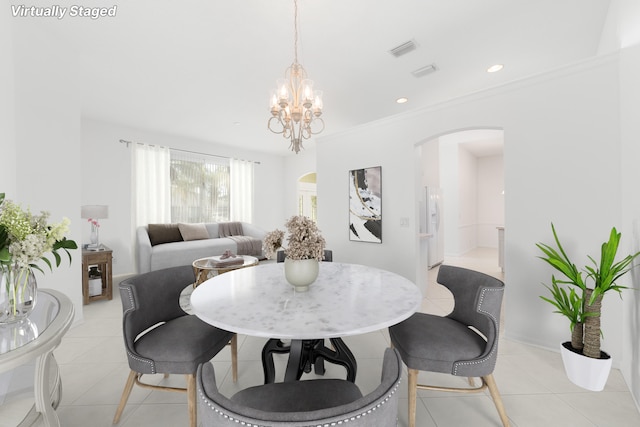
x: 123, y: 141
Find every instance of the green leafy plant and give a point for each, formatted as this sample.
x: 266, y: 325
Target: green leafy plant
x: 569, y: 305
x: 581, y: 303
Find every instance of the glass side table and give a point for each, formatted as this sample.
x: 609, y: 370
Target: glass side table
x: 205, y: 268
x: 30, y: 384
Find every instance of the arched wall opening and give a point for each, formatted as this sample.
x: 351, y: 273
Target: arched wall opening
x: 307, y: 196
x: 460, y: 193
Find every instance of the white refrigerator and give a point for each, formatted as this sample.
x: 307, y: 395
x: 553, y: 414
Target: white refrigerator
x: 434, y: 227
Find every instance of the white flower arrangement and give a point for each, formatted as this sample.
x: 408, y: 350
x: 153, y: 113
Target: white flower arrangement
x: 25, y: 238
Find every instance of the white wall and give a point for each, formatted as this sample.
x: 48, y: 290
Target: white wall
x: 47, y: 135
x: 450, y: 182
x: 430, y: 166
x: 369, y: 146
x: 630, y: 131
x: 468, y: 201
x: 7, y: 110
x: 106, y: 178
x: 558, y: 127
x: 490, y: 200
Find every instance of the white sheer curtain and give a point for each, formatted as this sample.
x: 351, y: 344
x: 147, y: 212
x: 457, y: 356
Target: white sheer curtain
x: 151, y: 184
x: 241, y: 190
x: 200, y: 187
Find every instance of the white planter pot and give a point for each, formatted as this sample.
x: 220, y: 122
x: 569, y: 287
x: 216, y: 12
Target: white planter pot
x: 586, y: 372
x: 300, y: 273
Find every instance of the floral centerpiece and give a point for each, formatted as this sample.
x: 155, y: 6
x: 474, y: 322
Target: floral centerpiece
x: 305, y: 247
x: 24, y: 241
x: 304, y: 240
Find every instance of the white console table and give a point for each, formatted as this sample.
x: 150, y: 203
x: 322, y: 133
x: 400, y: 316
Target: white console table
x: 27, y: 365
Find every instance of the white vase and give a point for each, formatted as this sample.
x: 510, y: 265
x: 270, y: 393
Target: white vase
x: 585, y: 372
x: 300, y: 273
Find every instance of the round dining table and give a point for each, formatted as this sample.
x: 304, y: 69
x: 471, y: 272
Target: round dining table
x: 345, y: 300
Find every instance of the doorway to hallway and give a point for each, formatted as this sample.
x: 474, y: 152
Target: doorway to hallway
x: 466, y: 170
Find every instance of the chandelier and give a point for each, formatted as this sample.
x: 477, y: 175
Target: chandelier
x: 295, y: 107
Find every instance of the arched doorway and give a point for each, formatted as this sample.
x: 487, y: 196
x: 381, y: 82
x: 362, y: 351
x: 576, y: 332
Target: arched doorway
x: 307, y: 196
x: 461, y: 195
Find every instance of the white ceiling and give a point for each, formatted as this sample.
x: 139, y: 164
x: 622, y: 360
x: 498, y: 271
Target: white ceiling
x: 204, y: 69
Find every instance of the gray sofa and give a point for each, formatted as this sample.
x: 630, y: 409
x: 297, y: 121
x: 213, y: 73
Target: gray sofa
x: 161, y: 246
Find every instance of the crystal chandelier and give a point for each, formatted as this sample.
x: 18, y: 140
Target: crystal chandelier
x: 295, y: 107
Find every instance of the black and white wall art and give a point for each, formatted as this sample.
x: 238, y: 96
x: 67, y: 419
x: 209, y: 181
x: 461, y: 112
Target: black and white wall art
x: 365, y: 205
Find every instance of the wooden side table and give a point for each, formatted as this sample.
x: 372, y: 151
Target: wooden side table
x: 102, y: 259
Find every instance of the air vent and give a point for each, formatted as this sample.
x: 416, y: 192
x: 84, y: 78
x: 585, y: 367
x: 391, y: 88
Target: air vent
x: 421, y: 72
x: 404, y: 48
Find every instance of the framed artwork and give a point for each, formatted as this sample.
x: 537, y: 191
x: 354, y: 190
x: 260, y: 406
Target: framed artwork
x: 365, y: 205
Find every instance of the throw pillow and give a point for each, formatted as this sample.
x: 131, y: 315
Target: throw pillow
x: 164, y: 233
x: 193, y: 231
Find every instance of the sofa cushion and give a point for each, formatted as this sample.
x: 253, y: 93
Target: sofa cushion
x: 164, y: 233
x: 193, y: 231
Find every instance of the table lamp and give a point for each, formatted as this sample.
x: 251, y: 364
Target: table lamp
x: 93, y: 213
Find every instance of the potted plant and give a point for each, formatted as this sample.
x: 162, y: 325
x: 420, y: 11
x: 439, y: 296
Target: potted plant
x: 581, y: 301
x: 304, y: 250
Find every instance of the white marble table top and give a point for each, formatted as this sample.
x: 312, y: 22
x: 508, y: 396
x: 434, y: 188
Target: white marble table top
x: 346, y: 299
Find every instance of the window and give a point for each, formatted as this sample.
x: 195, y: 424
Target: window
x: 199, y: 188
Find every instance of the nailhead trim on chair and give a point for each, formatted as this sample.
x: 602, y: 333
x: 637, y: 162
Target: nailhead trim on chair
x: 131, y: 301
x: 481, y: 301
x: 335, y: 423
x: 139, y: 359
x: 132, y: 308
x: 493, y: 350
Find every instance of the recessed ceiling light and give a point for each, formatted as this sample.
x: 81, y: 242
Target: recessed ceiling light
x: 402, y: 100
x: 495, y: 68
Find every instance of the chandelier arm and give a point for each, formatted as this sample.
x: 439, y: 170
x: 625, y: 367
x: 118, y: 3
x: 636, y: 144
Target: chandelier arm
x: 277, y: 121
x: 287, y: 132
x: 316, y: 120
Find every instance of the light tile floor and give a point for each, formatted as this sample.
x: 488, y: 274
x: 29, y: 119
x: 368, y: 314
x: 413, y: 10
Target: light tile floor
x: 532, y: 382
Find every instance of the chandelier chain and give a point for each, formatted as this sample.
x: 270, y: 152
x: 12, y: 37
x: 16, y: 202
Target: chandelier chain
x: 295, y: 31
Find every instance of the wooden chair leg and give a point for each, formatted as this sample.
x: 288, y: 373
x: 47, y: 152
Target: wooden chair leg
x: 125, y: 395
x: 413, y: 394
x: 497, y: 400
x: 191, y: 400
x: 234, y: 358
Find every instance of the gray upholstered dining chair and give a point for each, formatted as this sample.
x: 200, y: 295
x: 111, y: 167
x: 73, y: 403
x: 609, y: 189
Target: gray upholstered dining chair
x: 160, y: 338
x: 463, y: 343
x: 302, y: 403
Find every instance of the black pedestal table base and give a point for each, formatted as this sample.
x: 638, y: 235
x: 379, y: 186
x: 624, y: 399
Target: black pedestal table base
x: 305, y: 353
